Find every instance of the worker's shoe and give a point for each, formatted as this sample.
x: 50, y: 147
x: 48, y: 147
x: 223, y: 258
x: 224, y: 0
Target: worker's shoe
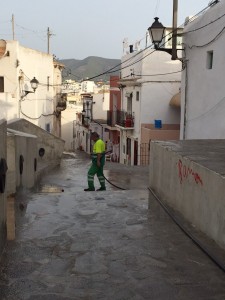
x: 89, y: 190
x: 101, y: 189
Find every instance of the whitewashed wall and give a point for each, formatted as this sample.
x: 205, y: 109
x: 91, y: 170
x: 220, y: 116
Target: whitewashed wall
x: 203, y: 89
x: 18, y: 68
x: 100, y: 105
x: 143, y: 72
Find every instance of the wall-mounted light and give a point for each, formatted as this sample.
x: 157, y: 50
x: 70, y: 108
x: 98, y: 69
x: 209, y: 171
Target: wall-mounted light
x: 34, y: 84
x: 156, y: 32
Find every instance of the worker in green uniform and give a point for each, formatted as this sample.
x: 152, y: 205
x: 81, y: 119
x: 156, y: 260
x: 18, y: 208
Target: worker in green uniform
x: 98, y: 161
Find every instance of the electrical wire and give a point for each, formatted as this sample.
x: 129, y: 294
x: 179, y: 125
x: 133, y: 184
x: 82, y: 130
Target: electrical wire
x: 156, y: 7
x: 37, y: 118
x: 113, y: 69
x: 33, y: 32
x: 213, y: 40
x: 109, y: 71
x: 160, y: 74
x: 193, y: 18
x: 25, y: 99
x: 199, y: 28
x: 207, y: 112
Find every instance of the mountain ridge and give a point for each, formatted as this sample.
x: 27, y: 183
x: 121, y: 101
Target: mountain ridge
x: 91, y: 66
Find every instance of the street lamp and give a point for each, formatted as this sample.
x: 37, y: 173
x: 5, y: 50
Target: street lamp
x: 34, y: 84
x: 156, y: 31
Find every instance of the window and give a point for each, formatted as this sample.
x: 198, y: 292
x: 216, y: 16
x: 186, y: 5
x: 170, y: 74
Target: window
x: 47, y: 127
x: 137, y: 96
x: 209, y: 62
x: 1, y: 84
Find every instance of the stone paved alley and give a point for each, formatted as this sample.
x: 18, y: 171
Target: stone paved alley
x: 102, y: 245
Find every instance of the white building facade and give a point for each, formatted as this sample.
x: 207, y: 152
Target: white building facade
x: 18, y: 66
x: 88, y: 86
x: 149, y: 79
x: 203, y: 89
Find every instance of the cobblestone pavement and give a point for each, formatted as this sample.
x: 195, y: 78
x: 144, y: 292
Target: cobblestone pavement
x: 101, y: 245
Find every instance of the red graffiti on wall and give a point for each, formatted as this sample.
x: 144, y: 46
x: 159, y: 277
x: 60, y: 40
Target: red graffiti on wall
x: 184, y: 172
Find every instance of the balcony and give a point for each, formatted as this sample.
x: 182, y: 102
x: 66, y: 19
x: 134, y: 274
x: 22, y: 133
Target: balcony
x: 120, y: 118
x: 124, y: 120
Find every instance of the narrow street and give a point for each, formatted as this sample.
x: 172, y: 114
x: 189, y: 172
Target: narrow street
x: 105, y: 245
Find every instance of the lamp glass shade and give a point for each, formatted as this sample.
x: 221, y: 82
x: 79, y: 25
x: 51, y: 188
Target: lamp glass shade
x: 156, y: 32
x: 34, y: 83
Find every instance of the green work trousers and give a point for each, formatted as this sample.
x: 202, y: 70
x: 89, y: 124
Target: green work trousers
x: 94, y: 169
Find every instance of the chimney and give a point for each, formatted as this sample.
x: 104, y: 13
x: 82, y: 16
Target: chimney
x: 131, y: 48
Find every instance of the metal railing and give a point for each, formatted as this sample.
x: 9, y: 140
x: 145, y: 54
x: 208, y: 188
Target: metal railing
x: 121, y: 118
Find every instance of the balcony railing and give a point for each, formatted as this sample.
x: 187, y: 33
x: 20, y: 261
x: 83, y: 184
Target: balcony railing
x: 120, y: 118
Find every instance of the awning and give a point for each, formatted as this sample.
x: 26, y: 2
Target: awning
x: 175, y: 100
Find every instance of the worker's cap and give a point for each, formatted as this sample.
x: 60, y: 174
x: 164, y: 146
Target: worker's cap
x: 94, y: 133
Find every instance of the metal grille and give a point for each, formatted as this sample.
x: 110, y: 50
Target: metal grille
x: 144, y: 152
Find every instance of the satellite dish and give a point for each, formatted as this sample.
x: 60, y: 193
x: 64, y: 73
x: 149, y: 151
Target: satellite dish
x: 2, y: 48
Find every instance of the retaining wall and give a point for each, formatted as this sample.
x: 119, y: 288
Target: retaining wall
x: 189, y: 176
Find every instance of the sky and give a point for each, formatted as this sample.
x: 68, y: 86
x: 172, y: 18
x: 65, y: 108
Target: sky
x: 82, y: 28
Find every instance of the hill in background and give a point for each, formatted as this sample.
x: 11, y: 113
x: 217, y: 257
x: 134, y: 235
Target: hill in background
x: 89, y: 67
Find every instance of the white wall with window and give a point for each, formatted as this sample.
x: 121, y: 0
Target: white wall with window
x: 147, y: 89
x: 17, y: 67
x: 100, y: 105
x: 203, y: 88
